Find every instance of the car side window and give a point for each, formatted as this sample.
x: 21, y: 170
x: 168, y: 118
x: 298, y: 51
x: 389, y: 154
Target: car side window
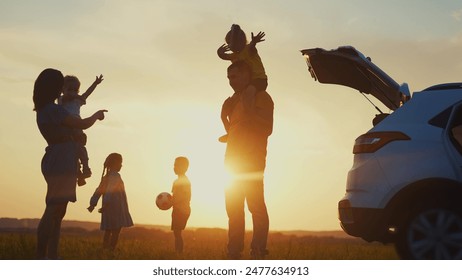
x: 441, y: 120
x: 455, y: 128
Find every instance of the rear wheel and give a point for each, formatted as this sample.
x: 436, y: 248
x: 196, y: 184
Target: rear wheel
x: 434, y: 233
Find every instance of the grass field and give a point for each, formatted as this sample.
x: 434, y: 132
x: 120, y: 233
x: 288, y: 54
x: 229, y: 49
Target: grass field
x: 140, y: 243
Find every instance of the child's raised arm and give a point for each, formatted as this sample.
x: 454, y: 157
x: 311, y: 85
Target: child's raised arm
x: 256, y: 39
x: 222, y: 52
x: 97, y: 81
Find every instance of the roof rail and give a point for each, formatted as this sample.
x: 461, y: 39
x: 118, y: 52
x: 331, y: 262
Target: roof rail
x: 445, y: 86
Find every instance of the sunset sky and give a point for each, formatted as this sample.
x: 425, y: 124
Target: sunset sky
x: 164, y: 85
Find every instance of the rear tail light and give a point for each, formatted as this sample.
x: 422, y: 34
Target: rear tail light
x: 345, y: 213
x: 373, y: 141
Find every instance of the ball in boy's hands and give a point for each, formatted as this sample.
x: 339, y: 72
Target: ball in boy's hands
x: 164, y: 201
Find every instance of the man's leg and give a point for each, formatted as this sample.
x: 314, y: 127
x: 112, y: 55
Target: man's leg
x: 234, y: 198
x: 257, y: 206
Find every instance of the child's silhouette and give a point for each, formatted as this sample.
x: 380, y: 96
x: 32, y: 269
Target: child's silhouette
x: 235, y: 49
x: 114, y: 211
x: 72, y: 101
x: 181, y: 193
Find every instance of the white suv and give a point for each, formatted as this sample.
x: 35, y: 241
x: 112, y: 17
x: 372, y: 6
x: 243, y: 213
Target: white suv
x: 405, y: 185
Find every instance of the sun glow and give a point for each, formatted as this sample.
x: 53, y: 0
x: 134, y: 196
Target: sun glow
x: 198, y: 141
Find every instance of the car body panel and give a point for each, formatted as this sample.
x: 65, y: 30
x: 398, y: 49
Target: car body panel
x: 348, y: 67
x: 418, y: 111
x: 375, y: 179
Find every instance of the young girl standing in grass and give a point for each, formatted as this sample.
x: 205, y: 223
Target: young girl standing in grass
x: 114, y: 211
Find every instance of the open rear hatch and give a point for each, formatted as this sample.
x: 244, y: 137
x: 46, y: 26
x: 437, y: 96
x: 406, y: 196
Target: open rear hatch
x: 348, y: 67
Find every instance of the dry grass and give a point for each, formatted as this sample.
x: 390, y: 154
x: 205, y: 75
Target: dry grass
x: 200, y: 244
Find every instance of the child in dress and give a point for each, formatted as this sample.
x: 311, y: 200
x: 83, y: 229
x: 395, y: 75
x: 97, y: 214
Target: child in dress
x: 72, y: 101
x: 236, y: 43
x: 114, y: 210
x: 181, y: 193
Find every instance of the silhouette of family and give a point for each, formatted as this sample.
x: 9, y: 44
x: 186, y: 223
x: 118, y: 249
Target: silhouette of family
x: 247, y: 118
